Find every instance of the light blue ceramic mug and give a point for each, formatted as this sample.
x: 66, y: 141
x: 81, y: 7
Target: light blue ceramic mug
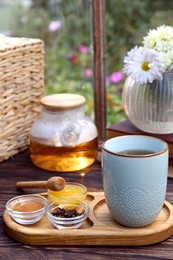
x: 135, y: 170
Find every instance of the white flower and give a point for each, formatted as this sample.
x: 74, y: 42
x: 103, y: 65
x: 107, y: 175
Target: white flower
x: 160, y: 40
x: 144, y: 65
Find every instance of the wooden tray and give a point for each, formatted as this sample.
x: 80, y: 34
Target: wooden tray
x: 99, y: 229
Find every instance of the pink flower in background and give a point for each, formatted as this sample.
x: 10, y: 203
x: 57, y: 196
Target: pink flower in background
x: 54, y: 26
x: 83, y: 48
x: 88, y: 73
x: 115, y: 77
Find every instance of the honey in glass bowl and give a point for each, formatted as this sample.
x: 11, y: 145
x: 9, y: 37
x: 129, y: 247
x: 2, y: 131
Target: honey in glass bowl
x: 72, y: 191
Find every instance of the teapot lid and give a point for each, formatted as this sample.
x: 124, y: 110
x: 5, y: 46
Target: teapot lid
x: 59, y: 102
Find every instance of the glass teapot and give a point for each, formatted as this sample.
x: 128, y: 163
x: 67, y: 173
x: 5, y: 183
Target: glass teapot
x: 63, y: 138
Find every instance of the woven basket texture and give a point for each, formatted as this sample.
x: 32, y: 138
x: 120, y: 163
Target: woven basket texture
x: 21, y: 87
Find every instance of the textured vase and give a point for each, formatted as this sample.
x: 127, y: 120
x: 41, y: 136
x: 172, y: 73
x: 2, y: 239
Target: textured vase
x: 150, y: 106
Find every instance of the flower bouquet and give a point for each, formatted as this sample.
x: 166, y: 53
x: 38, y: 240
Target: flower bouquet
x: 148, y: 89
x: 150, y: 61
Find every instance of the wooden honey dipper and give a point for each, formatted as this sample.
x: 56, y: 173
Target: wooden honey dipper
x: 54, y: 183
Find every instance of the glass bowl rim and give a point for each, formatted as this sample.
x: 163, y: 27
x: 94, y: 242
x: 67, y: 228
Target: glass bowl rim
x: 76, y: 197
x: 32, y: 196
x: 73, y: 184
x: 80, y: 217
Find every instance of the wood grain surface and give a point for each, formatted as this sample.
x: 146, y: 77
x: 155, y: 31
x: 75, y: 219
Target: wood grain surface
x: 20, y: 168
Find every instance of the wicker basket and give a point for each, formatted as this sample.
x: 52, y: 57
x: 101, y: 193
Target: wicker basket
x: 21, y: 87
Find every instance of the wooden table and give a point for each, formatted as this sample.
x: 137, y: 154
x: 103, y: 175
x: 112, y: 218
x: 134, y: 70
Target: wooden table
x: 20, y: 168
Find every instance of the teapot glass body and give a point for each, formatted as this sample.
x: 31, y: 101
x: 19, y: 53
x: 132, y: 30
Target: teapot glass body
x: 63, y: 138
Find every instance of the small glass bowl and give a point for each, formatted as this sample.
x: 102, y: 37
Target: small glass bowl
x: 71, y: 191
x: 26, y: 209
x: 72, y: 222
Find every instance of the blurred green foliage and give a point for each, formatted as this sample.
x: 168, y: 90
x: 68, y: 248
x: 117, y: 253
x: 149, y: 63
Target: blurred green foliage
x: 126, y: 22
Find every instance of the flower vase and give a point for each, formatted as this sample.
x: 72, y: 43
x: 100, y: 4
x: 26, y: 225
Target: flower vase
x: 149, y: 106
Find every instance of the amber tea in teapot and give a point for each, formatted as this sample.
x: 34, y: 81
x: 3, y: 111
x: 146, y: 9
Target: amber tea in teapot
x: 63, y: 138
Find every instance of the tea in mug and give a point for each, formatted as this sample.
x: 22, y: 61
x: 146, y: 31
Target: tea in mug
x: 135, y: 152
